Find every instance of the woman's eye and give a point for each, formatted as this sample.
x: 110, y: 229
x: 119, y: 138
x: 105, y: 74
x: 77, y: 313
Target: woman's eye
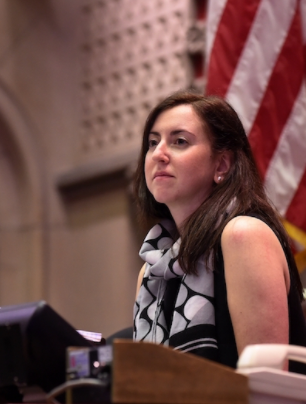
x: 181, y: 141
x: 152, y: 143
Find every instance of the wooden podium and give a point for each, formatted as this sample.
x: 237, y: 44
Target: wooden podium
x: 150, y: 373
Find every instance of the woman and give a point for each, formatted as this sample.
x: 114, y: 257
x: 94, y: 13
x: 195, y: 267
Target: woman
x: 219, y: 272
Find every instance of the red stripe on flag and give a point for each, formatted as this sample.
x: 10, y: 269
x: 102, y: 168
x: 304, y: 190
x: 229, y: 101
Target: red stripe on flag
x: 232, y: 33
x: 305, y: 60
x: 280, y: 95
x: 296, y: 213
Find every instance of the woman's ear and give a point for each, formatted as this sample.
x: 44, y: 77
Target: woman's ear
x: 224, y: 163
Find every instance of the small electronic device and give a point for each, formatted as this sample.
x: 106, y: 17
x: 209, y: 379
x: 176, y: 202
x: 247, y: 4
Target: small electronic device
x: 33, y: 343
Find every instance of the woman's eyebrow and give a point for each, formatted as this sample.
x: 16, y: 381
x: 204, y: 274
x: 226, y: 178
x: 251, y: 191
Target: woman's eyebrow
x: 178, y: 131
x: 172, y: 133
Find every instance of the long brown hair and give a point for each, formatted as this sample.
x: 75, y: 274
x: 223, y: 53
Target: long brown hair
x: 201, y: 233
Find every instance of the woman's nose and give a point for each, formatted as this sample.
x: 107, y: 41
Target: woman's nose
x: 161, y: 152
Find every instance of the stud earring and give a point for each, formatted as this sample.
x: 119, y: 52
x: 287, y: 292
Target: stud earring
x: 219, y: 179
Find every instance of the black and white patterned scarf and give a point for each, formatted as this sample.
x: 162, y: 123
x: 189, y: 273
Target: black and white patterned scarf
x: 192, y: 328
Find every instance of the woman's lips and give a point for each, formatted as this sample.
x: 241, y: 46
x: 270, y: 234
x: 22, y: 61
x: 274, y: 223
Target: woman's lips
x: 162, y: 175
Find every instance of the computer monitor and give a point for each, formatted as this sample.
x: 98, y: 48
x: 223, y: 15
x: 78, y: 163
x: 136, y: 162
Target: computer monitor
x: 33, y: 342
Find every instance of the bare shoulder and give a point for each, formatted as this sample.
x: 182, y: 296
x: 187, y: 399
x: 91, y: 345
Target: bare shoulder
x: 245, y: 229
x: 248, y: 244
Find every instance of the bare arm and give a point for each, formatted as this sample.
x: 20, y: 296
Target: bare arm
x: 140, y: 277
x: 257, y: 279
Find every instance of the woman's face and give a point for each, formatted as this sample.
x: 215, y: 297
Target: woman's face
x: 180, y: 168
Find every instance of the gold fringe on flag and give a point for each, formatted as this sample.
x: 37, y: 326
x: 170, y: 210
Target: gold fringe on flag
x: 300, y: 236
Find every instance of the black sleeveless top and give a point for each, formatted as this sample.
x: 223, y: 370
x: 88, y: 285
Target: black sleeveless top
x: 227, y: 352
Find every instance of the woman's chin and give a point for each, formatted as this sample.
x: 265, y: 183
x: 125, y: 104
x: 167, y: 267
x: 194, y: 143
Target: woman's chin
x: 162, y: 199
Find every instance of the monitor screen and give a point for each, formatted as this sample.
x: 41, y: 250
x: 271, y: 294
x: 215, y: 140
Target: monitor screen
x: 33, y: 342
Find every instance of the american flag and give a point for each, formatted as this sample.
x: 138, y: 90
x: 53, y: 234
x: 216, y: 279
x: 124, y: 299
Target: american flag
x: 256, y: 59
